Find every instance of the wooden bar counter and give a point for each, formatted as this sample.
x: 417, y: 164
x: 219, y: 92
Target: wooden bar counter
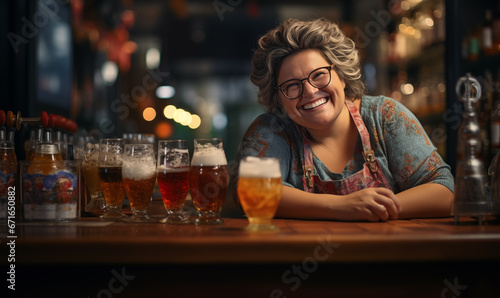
x: 398, y: 258
x: 396, y: 240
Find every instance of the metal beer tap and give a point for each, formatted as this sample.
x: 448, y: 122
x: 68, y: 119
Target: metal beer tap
x: 471, y: 197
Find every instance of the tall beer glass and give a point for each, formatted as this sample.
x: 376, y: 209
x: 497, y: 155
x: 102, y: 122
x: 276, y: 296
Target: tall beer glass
x: 173, y: 178
x: 209, y: 179
x: 110, y: 177
x: 139, y: 177
x: 259, y: 191
x: 90, y: 172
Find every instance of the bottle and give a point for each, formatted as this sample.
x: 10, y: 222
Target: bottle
x: 8, y: 174
x: 7, y: 152
x: 37, y: 139
x: 59, y: 141
x: 487, y: 34
x: 474, y: 46
x: 28, y: 141
x: 495, y: 26
x: 45, y: 152
x: 7, y: 149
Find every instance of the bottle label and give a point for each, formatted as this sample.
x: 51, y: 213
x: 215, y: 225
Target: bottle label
x: 44, y: 212
x: 66, y: 211
x: 473, y: 46
x: 487, y: 38
x: 50, y: 197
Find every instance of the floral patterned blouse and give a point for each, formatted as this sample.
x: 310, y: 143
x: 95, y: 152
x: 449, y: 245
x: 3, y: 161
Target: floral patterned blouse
x: 404, y: 151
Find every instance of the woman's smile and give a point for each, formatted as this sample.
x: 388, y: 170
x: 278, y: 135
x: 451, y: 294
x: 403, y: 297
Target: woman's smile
x: 315, y: 104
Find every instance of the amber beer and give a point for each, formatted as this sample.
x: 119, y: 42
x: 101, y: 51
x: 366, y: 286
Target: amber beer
x: 139, y: 175
x: 209, y: 179
x: 209, y: 185
x: 259, y: 197
x: 259, y: 191
x: 139, y: 191
x: 91, y: 176
x: 112, y: 185
x: 174, y: 186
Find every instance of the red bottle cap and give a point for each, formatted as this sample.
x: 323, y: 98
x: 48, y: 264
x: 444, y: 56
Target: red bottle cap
x: 51, y: 121
x: 44, y: 119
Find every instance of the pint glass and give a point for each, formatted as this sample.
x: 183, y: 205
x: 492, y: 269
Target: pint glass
x: 139, y: 177
x: 259, y: 191
x: 90, y: 172
x: 209, y: 179
x: 173, y: 178
x: 110, y: 177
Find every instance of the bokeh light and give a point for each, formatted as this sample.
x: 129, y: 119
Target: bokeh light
x: 164, y: 130
x: 169, y: 111
x: 195, y: 122
x: 149, y: 114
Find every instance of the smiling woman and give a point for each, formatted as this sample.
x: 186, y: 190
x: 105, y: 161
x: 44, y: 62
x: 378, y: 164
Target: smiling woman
x: 343, y: 155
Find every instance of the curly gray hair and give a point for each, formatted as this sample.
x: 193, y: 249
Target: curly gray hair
x: 294, y: 36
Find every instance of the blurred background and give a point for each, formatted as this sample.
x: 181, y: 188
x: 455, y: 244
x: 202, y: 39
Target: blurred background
x: 180, y: 68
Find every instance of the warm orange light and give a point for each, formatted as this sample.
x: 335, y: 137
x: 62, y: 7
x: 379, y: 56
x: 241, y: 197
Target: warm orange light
x: 164, y: 130
x: 129, y: 47
x: 149, y: 114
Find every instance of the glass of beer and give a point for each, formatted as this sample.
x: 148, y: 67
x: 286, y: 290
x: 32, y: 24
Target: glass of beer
x: 89, y: 168
x: 110, y: 177
x: 209, y: 180
x: 259, y: 191
x: 139, y: 178
x: 173, y: 178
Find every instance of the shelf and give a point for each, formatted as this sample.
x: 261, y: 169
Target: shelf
x: 479, y: 66
x: 426, y: 57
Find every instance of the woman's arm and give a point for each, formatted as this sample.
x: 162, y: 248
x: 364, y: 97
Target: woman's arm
x: 372, y: 204
x: 426, y: 200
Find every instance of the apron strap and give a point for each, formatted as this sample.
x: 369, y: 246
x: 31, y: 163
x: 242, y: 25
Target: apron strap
x: 368, y: 154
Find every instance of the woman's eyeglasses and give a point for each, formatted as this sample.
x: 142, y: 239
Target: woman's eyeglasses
x: 318, y: 78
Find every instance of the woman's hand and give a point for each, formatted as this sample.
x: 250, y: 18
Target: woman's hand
x: 372, y: 204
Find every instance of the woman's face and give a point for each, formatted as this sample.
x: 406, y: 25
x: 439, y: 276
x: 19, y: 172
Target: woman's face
x: 315, y: 108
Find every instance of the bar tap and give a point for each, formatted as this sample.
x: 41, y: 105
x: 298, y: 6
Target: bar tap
x: 471, y: 197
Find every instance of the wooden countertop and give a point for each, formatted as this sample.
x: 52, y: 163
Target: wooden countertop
x: 417, y: 240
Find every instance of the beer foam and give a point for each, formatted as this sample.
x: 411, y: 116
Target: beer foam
x: 138, y: 169
x: 209, y: 157
x: 163, y: 169
x: 259, y: 167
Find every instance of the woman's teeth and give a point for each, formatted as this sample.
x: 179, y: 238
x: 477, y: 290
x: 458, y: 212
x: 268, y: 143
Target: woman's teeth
x: 312, y: 105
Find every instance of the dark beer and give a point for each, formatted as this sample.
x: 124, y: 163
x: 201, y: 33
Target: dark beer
x: 174, y: 186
